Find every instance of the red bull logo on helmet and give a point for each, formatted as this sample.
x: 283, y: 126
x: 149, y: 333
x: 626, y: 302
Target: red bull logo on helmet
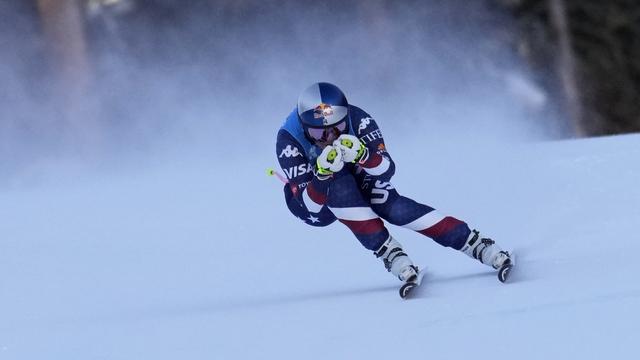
x: 322, y: 111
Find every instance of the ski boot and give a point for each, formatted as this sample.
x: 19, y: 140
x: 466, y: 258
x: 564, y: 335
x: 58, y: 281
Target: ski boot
x: 489, y: 253
x: 397, y: 262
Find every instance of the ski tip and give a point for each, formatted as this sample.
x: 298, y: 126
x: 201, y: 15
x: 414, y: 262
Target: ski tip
x: 504, y: 272
x: 405, y: 290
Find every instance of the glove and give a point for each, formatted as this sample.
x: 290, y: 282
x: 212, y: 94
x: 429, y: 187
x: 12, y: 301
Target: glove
x: 352, y: 149
x: 329, y: 161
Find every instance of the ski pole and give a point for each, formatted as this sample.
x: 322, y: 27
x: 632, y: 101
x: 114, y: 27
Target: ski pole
x: 272, y: 172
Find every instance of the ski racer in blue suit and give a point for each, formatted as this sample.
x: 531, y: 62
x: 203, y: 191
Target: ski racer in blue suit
x: 338, y: 168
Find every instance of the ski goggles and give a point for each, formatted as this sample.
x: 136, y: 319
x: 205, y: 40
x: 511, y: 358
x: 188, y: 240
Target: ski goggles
x: 327, y: 134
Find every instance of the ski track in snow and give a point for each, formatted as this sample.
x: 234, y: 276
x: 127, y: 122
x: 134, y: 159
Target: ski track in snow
x: 166, y: 266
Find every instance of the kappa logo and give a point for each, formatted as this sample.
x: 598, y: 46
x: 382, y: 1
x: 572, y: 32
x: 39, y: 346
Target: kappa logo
x: 313, y: 153
x: 290, y: 151
x: 364, y: 122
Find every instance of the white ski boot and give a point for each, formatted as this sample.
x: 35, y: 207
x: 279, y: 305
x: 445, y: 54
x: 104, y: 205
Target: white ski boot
x: 397, y: 261
x: 486, y: 251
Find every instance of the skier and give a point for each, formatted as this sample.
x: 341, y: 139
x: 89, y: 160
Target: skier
x: 337, y: 166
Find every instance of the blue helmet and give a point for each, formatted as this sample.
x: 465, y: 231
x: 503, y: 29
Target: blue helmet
x: 323, y: 111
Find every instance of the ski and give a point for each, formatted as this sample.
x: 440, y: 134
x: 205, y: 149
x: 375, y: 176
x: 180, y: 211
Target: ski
x: 407, y: 288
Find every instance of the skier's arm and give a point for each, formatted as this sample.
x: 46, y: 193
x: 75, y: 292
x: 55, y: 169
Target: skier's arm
x: 305, y: 193
x: 376, y: 161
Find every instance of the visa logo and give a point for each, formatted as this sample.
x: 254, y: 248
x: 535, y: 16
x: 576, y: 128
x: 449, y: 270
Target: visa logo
x: 299, y: 170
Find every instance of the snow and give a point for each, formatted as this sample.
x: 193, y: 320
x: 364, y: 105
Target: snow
x: 183, y: 261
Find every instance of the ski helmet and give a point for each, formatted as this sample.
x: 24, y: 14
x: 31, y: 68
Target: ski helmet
x: 323, y: 111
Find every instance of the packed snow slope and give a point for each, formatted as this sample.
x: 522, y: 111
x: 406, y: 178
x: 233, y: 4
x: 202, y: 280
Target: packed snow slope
x: 186, y: 260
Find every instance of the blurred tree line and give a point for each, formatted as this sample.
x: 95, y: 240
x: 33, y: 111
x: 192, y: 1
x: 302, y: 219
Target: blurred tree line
x: 585, y: 52
x: 601, y: 72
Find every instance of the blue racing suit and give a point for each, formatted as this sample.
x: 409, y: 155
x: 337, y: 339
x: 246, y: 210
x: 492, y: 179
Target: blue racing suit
x: 360, y: 196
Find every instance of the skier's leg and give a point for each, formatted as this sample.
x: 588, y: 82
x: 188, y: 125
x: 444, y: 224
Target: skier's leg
x: 346, y: 202
x: 402, y: 211
x: 445, y: 230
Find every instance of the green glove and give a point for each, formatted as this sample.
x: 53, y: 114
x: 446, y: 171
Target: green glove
x: 351, y: 147
x: 329, y: 161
